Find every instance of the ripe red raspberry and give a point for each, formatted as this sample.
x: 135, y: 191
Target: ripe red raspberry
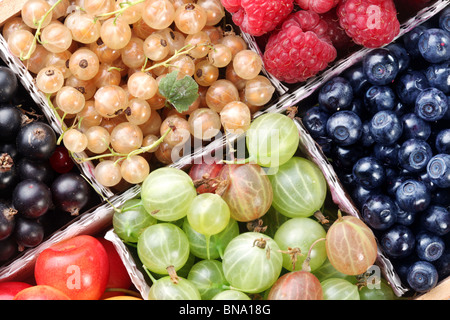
x: 318, y: 6
x: 370, y: 23
x: 257, y: 17
x: 300, y: 49
x: 337, y: 35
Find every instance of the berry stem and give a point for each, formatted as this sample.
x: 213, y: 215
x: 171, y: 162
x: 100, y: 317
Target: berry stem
x: 55, y: 112
x: 123, y: 156
x: 184, y: 50
x: 38, y: 31
x: 123, y: 6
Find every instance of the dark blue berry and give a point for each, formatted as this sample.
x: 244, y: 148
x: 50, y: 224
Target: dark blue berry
x: 436, y: 219
x: 380, y: 66
x: 412, y: 195
x: 422, y: 276
x: 346, y: 156
x: 369, y: 172
x: 411, y: 39
x: 393, y: 182
x: 438, y: 76
x: 379, y: 98
x: 443, y: 265
x: 344, y: 127
x: 398, y: 242
x: 402, y: 55
x: 444, y: 19
x: 438, y: 169
x: 415, y: 127
x: 414, y: 155
x: 335, y: 95
x: 425, y: 178
x: 400, y: 108
x: 10, y: 122
x: 358, y: 107
x: 366, y: 139
x: 385, y: 127
x: 361, y: 194
x: 440, y: 196
x: 434, y: 45
x: 379, y: 212
x: 315, y: 121
x: 408, y: 86
x: 431, y: 104
x: 387, y: 154
x: 405, y: 218
x: 442, y: 143
x: 429, y: 246
x: 357, y: 79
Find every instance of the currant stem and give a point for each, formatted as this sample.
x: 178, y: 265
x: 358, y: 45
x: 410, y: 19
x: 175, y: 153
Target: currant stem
x: 184, y: 50
x: 127, y: 155
x: 123, y: 7
x: 38, y: 30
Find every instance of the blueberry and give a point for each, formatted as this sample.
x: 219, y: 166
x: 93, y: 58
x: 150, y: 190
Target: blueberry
x: 414, y: 155
x: 422, y: 276
x: 404, y: 217
x: 378, y: 98
x: 440, y: 196
x: 346, y: 156
x: 385, y: 127
x: 335, y: 95
x: 380, y: 66
x: 398, y: 242
x: 408, y: 86
x: 438, y: 76
x: 402, y: 265
x: 369, y: 172
x: 366, y: 139
x: 415, y: 127
x: 411, y: 39
x: 413, y: 196
x: 361, y: 194
x: 442, y: 143
x: 357, y: 79
x: 325, y: 144
x: 444, y: 19
x: 387, y: 154
x: 393, y: 182
x: 443, y: 265
x: 400, y: 108
x: 357, y: 106
x: 402, y: 55
x: 315, y: 121
x: 425, y: 178
x: 429, y: 246
x: 438, y: 169
x: 379, y: 212
x: 434, y: 45
x: 344, y: 127
x: 347, y: 179
x: 431, y: 104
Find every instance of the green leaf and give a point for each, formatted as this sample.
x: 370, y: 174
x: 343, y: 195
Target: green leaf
x: 181, y: 93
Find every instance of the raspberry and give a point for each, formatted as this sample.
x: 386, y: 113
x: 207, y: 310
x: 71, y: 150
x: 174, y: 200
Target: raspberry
x: 257, y: 17
x: 337, y: 35
x: 318, y: 6
x: 370, y: 23
x: 300, y: 49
